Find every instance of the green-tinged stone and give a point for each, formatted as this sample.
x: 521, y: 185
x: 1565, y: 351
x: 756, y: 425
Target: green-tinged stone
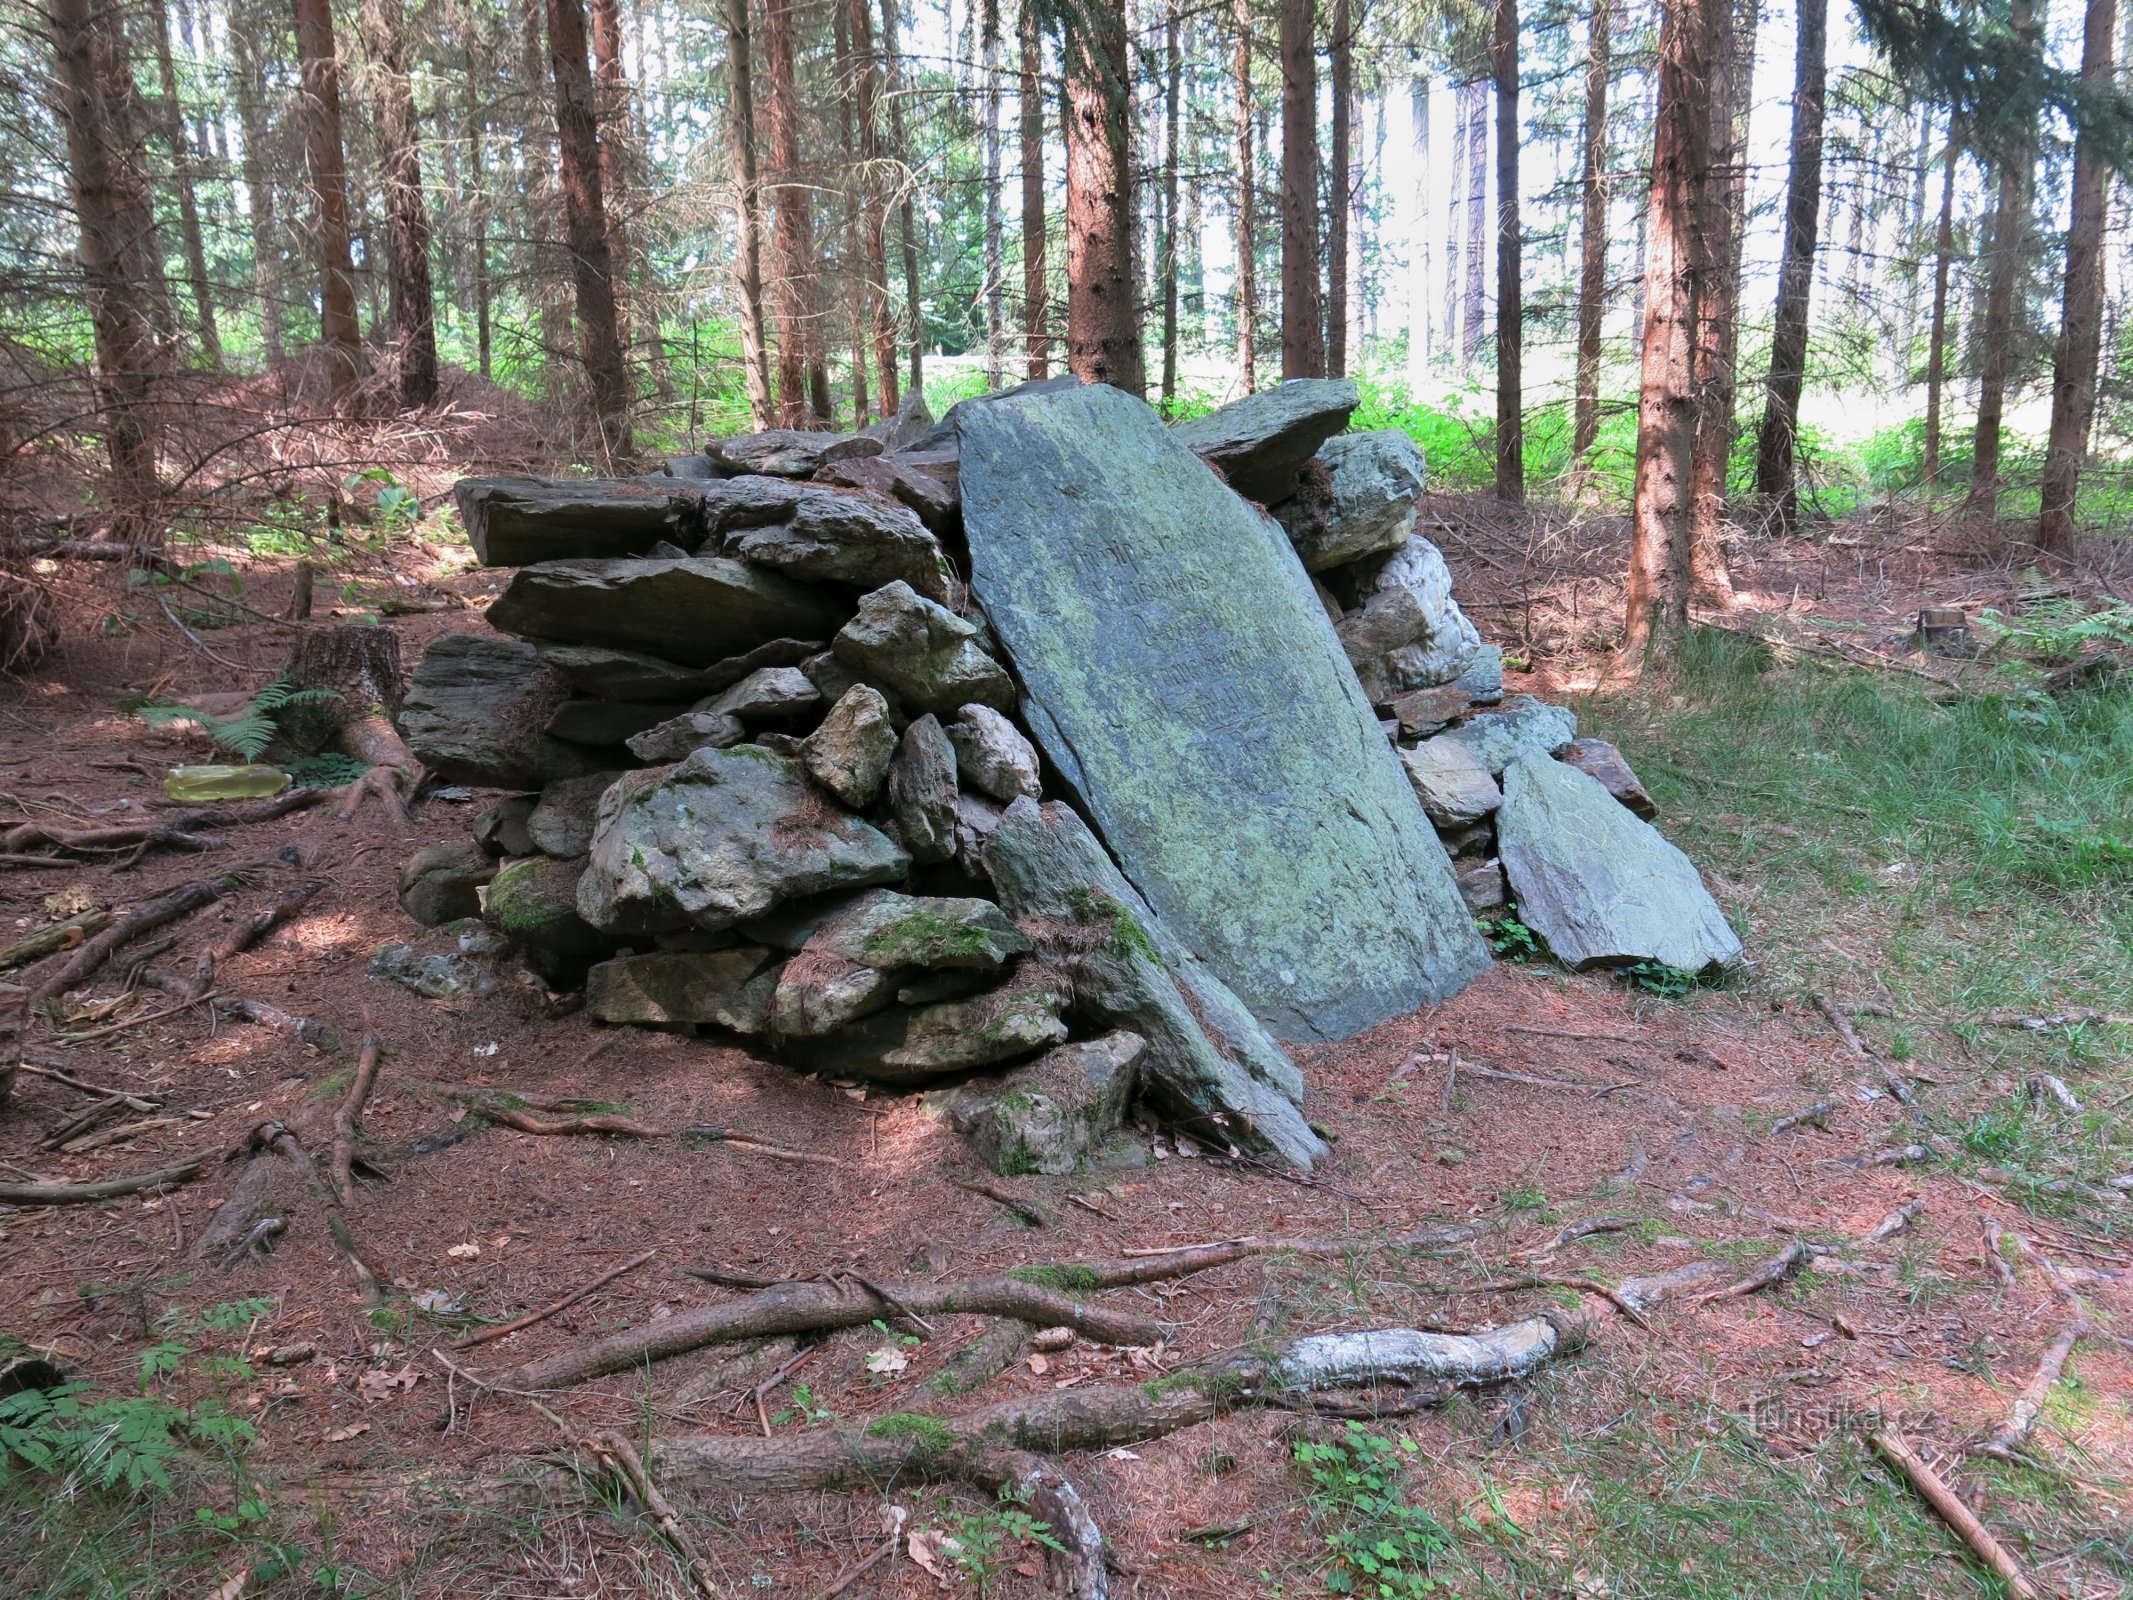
x: 723, y: 836
x: 1051, y: 1115
x: 887, y: 930
x: 478, y: 709
x: 535, y: 903
x: 1602, y: 886
x: 694, y: 612
x: 728, y: 988
x: 1182, y: 677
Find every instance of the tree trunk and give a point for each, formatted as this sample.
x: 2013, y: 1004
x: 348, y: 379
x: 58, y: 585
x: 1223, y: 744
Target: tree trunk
x: 1103, y: 321
x: 1510, y: 311
x: 477, y: 136
x: 2010, y: 221
x: 995, y: 201
x: 250, y: 95
x: 1418, y: 266
x: 1036, y: 343
x: 1454, y: 218
x: 585, y: 225
x: 107, y: 175
x: 1725, y: 197
x: 544, y: 266
x: 1340, y: 189
x: 1477, y: 216
x: 792, y: 232
x: 1303, y: 318
x: 853, y: 273
x: 748, y: 255
x: 414, y: 309
x: 636, y: 311
x: 326, y: 164
x: 907, y: 224
x: 1247, y: 295
x: 1173, y: 83
x: 872, y: 194
x: 178, y: 142
x: 1592, y: 243
x: 2081, y: 324
x: 1937, y: 338
x: 1775, y: 471
x: 1656, y: 610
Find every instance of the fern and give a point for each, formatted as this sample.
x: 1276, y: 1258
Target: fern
x: 247, y: 734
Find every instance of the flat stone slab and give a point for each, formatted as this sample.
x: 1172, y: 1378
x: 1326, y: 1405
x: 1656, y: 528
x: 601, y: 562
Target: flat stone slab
x: 1262, y: 441
x: 1182, y: 677
x: 696, y: 611
x: 1599, y: 884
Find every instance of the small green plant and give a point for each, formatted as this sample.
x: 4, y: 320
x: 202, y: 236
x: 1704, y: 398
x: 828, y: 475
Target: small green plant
x: 133, y: 1440
x: 1510, y: 938
x: 251, y: 730
x: 398, y: 507
x: 1656, y: 977
x: 2058, y: 629
x: 807, y: 1408
x: 982, y: 1540
x: 1379, y: 1544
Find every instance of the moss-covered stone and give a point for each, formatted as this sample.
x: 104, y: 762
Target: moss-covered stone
x: 1051, y: 1115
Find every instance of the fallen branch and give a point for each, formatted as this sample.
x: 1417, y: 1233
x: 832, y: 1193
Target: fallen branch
x: 273, y: 1146
x: 59, y: 1075
x: 74, y: 1194
x: 1047, y: 1296
x: 505, y: 1330
x: 749, y: 1143
x: 1029, y: 1210
x: 613, y: 1451
x: 1814, y: 1116
x: 58, y: 936
x: 2063, y: 1019
x: 1890, y: 1446
x: 341, y: 1158
x: 146, y: 917
x: 253, y: 928
x: 526, y: 1122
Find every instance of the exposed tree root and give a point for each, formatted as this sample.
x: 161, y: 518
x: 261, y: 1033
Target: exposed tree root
x: 57, y: 936
x: 149, y: 915
x: 341, y: 1160
x: 246, y: 933
x: 506, y: 1329
x: 994, y: 1445
x: 274, y: 1151
x: 620, y: 1459
x: 510, y: 1116
x: 1006, y: 1194
x: 1890, y: 1446
x: 1890, y: 1078
x: 1045, y: 1295
x: 184, y: 831
x: 71, y: 1194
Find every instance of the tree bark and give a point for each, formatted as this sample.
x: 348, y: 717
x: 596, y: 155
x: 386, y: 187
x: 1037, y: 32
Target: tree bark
x: 1036, y: 342
x: 383, y: 25
x: 792, y: 232
x: 1418, y: 266
x: 326, y: 165
x: 592, y: 269
x: 1303, y: 317
x: 1340, y: 190
x: 748, y: 256
x: 1476, y: 97
x: 854, y: 263
x: 250, y: 96
x: 995, y: 201
x: 868, y: 106
x: 1937, y: 338
x: 1775, y: 471
x: 477, y: 136
x: 634, y: 302
x: 1103, y: 320
x: 907, y: 224
x: 1656, y: 610
x: 1247, y: 293
x: 178, y: 143
x: 2016, y: 168
x: 108, y: 178
x: 1592, y: 241
x: 1725, y: 197
x: 1173, y: 84
x: 1510, y: 310
x: 2081, y: 322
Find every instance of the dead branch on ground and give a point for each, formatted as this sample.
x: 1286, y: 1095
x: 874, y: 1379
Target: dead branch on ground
x: 341, y: 1161
x: 1948, y: 1506
x: 506, y: 1329
x: 73, y: 1194
x: 620, y: 1460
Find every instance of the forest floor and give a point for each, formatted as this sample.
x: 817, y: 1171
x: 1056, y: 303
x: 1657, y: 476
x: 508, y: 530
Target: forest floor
x: 1919, y: 856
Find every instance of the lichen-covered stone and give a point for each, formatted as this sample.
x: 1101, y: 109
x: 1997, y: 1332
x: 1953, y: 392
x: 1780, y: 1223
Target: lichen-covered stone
x: 1453, y: 787
x: 477, y: 712
x: 891, y: 931
x: 911, y: 1045
x: 1262, y: 441
x: 1181, y: 678
x: 922, y: 791
x: 850, y: 752
x: 1596, y: 758
x: 1423, y: 712
x: 1601, y: 886
x: 1357, y: 497
x: 678, y: 736
x: 786, y: 452
x: 720, y: 837
x: 512, y: 521
x: 534, y: 903
x: 818, y: 992
x: 601, y: 673
x: 927, y: 655
x: 932, y: 501
x: 769, y: 694
x: 1404, y: 630
x: 1209, y: 1064
x: 561, y: 824
x: 1050, y: 1116
x: 729, y: 988
x: 443, y: 882
x: 839, y: 538
x: 1521, y: 726
x: 433, y: 974
x: 694, y: 612
x: 992, y: 756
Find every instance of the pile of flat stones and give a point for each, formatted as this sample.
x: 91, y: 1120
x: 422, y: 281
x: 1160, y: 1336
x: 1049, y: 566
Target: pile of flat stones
x: 1044, y: 757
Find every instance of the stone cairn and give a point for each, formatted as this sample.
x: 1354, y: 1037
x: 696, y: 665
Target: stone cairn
x: 1020, y: 756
